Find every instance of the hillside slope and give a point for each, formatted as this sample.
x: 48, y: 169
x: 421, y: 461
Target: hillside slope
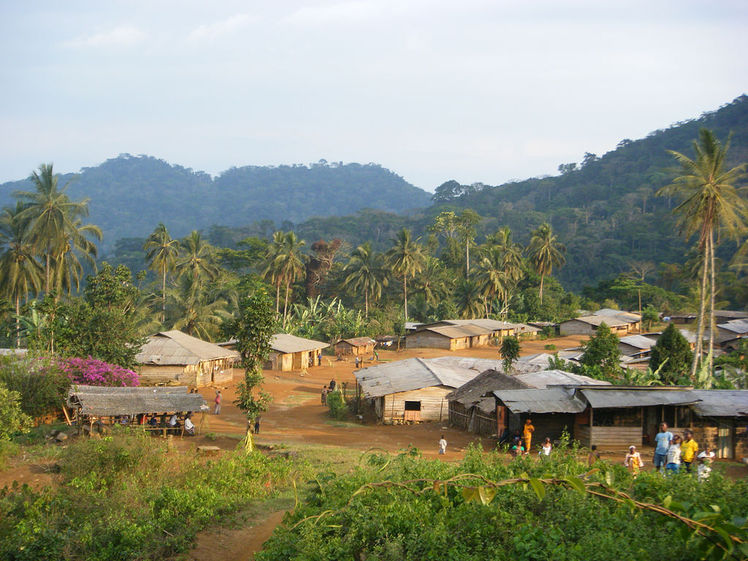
x: 130, y: 195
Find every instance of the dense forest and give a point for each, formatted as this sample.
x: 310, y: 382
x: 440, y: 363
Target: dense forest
x: 130, y: 194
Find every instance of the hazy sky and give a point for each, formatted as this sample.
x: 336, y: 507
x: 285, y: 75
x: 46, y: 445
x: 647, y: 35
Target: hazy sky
x: 469, y: 90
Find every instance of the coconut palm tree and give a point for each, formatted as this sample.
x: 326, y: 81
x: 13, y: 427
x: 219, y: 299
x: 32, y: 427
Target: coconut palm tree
x: 51, y: 216
x: 406, y: 259
x: 365, y: 274
x: 468, y: 299
x: 20, y: 273
x: 196, y: 260
x: 197, y: 311
x: 711, y: 204
x: 67, y: 268
x: 285, y: 264
x: 434, y: 283
x: 545, y: 251
x: 492, y: 279
x: 511, y: 253
x: 161, y: 255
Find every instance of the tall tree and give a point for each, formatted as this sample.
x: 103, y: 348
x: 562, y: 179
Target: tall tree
x: 466, y: 223
x: 272, y: 271
x: 365, y: 273
x: 468, y: 299
x: 161, y: 255
x: 20, y: 273
x: 671, y: 356
x: 67, y: 267
x: 52, y: 218
x: 406, y: 258
x: 289, y: 262
x: 711, y: 204
x: 196, y: 260
x: 545, y: 251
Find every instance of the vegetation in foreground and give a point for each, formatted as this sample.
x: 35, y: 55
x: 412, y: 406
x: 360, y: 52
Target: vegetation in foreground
x: 409, y: 508
x: 128, y: 497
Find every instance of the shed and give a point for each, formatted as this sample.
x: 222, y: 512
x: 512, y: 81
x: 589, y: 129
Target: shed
x: 721, y: 421
x: 636, y: 346
x: 173, y: 357
x: 587, y: 325
x: 632, y: 320
x: 358, y: 346
x: 294, y: 353
x: 415, y: 389
x: 101, y: 401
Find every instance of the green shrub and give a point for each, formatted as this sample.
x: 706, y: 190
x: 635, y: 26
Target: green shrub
x: 12, y: 419
x: 550, y: 347
x: 40, y: 382
x: 336, y: 403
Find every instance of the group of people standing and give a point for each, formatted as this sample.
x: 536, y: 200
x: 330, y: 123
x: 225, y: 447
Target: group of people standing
x: 671, y: 452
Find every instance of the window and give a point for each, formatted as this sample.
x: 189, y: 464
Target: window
x: 412, y: 405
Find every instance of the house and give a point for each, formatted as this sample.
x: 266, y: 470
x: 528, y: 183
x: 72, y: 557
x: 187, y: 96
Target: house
x: 731, y: 330
x: 636, y: 346
x: 175, y: 358
x: 719, y: 316
x: 415, y: 389
x: 358, y: 346
x: 456, y: 334
x: 294, y: 353
x: 587, y: 325
x: 633, y: 321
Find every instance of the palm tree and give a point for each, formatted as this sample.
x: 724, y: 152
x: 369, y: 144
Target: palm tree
x: 434, y: 282
x: 511, y: 252
x: 51, y: 216
x: 365, y: 274
x: 67, y: 268
x: 196, y: 261
x: 468, y: 299
x: 197, y: 311
x: 406, y: 259
x: 287, y: 264
x: 711, y: 204
x: 272, y: 272
x: 545, y: 251
x: 20, y: 272
x: 492, y: 280
x: 161, y: 254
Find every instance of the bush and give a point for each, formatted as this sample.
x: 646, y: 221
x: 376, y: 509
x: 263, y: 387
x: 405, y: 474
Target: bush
x: 336, y: 403
x: 93, y: 372
x: 40, y: 382
x: 12, y: 419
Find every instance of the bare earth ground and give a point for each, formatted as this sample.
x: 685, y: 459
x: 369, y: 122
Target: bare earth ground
x: 297, y: 419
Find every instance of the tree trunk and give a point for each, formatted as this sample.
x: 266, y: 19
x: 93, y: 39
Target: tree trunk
x: 700, y: 328
x: 163, y: 297
x: 541, y: 288
x: 285, y: 303
x: 277, y: 298
x: 712, y: 289
x: 47, y: 281
x: 366, y: 303
x: 18, y: 322
x: 405, y: 295
x: 467, y: 258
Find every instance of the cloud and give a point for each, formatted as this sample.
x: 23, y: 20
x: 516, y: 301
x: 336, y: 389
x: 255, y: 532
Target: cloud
x: 122, y: 36
x: 353, y: 11
x: 219, y: 28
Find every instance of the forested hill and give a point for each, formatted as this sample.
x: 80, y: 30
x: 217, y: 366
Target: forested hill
x: 605, y: 209
x: 130, y: 195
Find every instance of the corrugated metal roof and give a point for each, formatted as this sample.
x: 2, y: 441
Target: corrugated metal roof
x: 549, y: 400
x: 360, y: 341
x: 721, y: 403
x: 174, y: 348
x: 105, y: 401
x: 628, y: 317
x: 285, y: 343
x: 470, y: 393
x: 458, y: 331
x: 597, y: 320
x: 644, y: 397
x: 638, y: 341
x: 739, y: 326
x: 545, y: 378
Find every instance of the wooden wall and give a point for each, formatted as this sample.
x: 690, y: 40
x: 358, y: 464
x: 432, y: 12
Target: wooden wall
x: 198, y: 375
x: 434, y: 406
x: 426, y: 339
x: 608, y: 437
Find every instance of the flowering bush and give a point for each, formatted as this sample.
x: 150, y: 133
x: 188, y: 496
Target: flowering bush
x: 92, y: 372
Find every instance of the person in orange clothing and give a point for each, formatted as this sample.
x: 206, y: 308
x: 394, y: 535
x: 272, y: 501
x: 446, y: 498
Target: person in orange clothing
x: 527, y: 434
x: 688, y: 449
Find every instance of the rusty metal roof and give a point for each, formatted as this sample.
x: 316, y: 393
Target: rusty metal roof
x: 105, y: 401
x: 721, y: 403
x: 548, y: 400
x: 637, y: 397
x: 170, y: 348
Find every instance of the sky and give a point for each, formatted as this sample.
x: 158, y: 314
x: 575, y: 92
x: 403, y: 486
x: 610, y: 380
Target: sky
x: 476, y: 90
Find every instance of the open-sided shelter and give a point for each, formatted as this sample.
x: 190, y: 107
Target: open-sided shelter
x: 294, y: 353
x: 173, y: 357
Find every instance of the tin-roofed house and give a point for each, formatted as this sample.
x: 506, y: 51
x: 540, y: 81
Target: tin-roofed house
x: 416, y: 389
x: 357, y: 346
x: 587, y: 325
x: 636, y: 346
x: 175, y: 358
x: 294, y: 353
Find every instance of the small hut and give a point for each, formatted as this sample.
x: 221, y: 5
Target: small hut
x: 175, y: 358
x: 358, y: 346
x: 294, y: 353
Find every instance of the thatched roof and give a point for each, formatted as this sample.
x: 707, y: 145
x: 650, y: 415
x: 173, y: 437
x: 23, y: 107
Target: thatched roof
x: 103, y: 401
x: 490, y: 380
x: 174, y: 348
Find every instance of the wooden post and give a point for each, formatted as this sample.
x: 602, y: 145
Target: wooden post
x: 67, y: 417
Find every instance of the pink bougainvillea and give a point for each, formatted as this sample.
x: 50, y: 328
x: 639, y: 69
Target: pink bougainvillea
x: 92, y: 372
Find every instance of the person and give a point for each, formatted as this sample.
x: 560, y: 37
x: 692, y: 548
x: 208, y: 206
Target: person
x: 527, y: 434
x: 217, y: 401
x: 688, y: 449
x: 593, y: 456
x: 153, y: 421
x: 189, y: 427
x: 517, y: 448
x: 633, y: 461
x: 257, y: 425
x: 358, y: 361
x: 442, y: 446
x: 663, y: 440
x: 332, y: 385
x: 545, y: 449
x: 673, y: 455
x: 705, y: 458
x: 323, y: 397
x: 173, y: 424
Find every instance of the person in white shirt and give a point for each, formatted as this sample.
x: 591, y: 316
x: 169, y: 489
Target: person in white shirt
x: 545, y: 449
x: 189, y: 427
x: 442, y: 446
x: 673, y: 456
x: 705, y: 464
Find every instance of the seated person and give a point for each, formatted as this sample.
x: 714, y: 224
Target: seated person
x: 189, y: 427
x: 153, y: 421
x: 173, y: 424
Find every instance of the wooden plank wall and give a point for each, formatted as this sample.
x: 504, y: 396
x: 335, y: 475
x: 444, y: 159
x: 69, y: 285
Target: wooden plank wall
x: 425, y: 339
x: 616, y: 437
x: 434, y: 406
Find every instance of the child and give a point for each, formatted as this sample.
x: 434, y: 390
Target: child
x: 688, y: 450
x: 633, y: 461
x: 545, y: 450
x: 517, y: 447
x: 705, y: 464
x: 442, y: 446
x: 673, y: 456
x: 593, y: 456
